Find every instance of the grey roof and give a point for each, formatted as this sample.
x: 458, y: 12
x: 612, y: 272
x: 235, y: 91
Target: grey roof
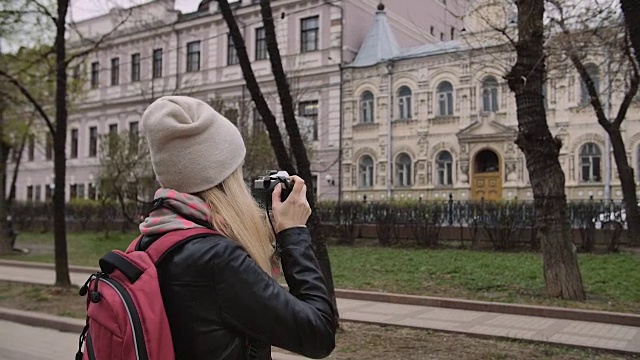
x: 429, y: 49
x: 379, y: 45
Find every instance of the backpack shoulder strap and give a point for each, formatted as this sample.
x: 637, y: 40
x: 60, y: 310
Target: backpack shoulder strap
x: 170, y: 240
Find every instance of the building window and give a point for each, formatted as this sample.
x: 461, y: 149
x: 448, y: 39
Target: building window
x: 309, y: 34
x: 594, y: 74
x: 258, y: 124
x: 366, y: 107
x: 404, y: 103
x: 261, y: 44
x: 232, y: 53
x: 453, y: 33
x: 80, y: 193
x: 157, y: 63
x: 93, y: 141
x: 135, y: 67
x: 37, y: 194
x: 31, y: 151
x: 134, y: 137
x: 445, y: 98
x: 92, y: 192
x: 193, y: 56
x: 432, y: 31
x: 30, y: 193
x: 590, y: 163
x: 74, y: 143
x: 48, y: 146
x: 115, y: 71
x: 489, y: 94
x: 366, y: 171
x: 95, y: 75
x: 75, y: 72
x: 441, y: 36
x: 309, y: 110
x: 403, y: 170
x: 73, y: 191
x: 113, y: 140
x: 444, y: 164
x: 48, y: 192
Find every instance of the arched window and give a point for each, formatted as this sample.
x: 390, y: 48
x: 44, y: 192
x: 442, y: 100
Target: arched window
x: 366, y: 107
x: 403, y: 170
x: 445, y: 98
x: 444, y: 164
x: 404, y: 103
x: 490, y: 94
x: 590, y: 163
x: 365, y: 170
x: 594, y: 73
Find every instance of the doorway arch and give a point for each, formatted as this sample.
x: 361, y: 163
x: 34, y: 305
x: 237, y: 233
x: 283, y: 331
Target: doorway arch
x: 487, y: 176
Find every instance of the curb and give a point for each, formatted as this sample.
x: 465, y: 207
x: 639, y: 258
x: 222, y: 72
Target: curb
x: 31, y: 318
x: 605, y: 317
x: 46, y: 266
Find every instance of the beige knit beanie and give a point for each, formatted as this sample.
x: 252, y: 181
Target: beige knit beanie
x: 193, y: 148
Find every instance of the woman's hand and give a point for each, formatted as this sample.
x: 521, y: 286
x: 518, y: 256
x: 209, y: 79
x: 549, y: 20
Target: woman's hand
x: 295, y: 210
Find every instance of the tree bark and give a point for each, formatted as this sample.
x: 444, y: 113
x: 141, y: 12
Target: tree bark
x: 5, y: 240
x: 631, y: 10
x: 297, y: 145
x: 59, y: 145
x: 284, y: 161
x: 625, y: 173
x: 560, y: 264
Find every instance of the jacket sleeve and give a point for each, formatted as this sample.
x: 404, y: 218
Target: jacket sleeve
x: 299, y: 320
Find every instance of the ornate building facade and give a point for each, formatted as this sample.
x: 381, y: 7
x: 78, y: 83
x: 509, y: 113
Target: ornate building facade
x: 158, y: 51
x: 438, y: 120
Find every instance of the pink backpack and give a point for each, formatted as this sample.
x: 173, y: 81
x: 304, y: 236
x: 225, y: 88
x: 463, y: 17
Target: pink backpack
x: 126, y: 319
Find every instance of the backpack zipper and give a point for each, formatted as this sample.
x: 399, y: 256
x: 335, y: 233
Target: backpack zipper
x: 134, y: 317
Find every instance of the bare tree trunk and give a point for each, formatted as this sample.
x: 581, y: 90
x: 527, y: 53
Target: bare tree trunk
x: 284, y: 161
x: 59, y: 144
x: 16, y: 167
x: 297, y: 145
x: 631, y: 10
x: 5, y: 240
x: 560, y: 264
x: 625, y: 172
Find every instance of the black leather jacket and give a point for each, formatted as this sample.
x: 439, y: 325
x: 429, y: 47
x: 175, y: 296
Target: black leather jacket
x: 222, y: 306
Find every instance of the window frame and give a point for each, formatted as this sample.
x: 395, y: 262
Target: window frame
x: 194, y: 57
x: 135, y: 67
x: 444, y: 168
x: 95, y: 74
x: 306, y: 32
x: 405, y: 103
x: 156, y: 63
x: 366, y: 172
x: 489, y: 91
x: 75, y: 135
x: 115, y: 71
x: 261, y: 52
x: 591, y: 160
x: 403, y: 170
x: 444, y: 99
x: 367, y: 109
x: 232, y: 53
x: 302, y: 107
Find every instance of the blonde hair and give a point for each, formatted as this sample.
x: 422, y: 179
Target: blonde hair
x: 236, y: 214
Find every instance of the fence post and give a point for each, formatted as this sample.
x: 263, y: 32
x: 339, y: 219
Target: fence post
x: 450, y: 209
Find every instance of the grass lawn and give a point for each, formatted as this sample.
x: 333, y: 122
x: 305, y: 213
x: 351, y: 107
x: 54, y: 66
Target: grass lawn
x: 354, y: 341
x: 612, y: 280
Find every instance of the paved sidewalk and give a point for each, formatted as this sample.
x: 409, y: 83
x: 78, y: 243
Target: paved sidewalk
x: 20, y: 342
x: 559, y: 331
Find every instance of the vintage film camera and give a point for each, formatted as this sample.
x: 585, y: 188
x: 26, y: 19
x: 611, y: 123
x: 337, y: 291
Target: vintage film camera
x: 264, y: 186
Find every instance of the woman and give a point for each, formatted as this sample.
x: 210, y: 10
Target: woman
x: 219, y: 292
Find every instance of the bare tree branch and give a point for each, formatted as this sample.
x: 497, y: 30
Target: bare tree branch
x: 43, y: 10
x: 96, y: 44
x: 31, y: 99
x: 633, y: 90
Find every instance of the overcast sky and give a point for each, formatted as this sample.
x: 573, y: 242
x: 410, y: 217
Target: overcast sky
x: 84, y: 9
